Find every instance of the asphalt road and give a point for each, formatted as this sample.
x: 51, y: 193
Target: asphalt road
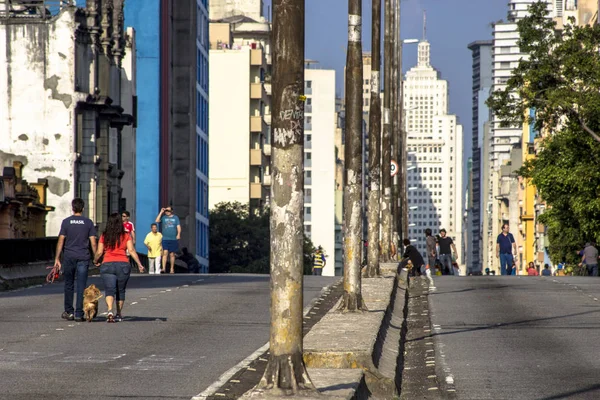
x: 517, y: 337
x: 180, y: 334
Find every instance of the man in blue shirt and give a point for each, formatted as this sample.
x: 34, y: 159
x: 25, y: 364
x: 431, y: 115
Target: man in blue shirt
x: 505, y: 248
x: 76, y: 233
x: 171, y: 231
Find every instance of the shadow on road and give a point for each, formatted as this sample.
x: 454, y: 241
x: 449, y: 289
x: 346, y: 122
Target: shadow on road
x: 566, y: 395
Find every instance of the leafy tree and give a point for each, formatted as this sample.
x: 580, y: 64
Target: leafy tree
x: 560, y: 81
x: 239, y: 240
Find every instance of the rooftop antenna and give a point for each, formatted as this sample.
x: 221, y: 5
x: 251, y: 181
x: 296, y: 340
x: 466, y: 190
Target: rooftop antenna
x: 424, y: 24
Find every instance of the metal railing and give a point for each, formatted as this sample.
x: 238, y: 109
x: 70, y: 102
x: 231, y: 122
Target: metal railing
x: 32, y: 8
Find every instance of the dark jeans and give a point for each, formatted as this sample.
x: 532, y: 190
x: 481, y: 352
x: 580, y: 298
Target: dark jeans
x: 506, y: 263
x: 115, y: 276
x: 71, y: 269
x: 317, y: 271
x: 446, y: 261
x: 592, y: 269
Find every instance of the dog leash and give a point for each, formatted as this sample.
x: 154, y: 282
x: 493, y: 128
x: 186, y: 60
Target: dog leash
x: 54, y: 274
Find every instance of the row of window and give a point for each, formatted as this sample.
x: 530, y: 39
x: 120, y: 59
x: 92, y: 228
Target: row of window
x: 202, y: 113
x: 202, y: 155
x: 202, y: 70
x: 202, y: 197
x: 201, y: 239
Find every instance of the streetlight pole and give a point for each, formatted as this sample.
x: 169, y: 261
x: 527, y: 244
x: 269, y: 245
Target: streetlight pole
x: 374, y: 144
x: 386, y: 144
x: 285, y: 371
x: 353, y: 197
x: 396, y: 125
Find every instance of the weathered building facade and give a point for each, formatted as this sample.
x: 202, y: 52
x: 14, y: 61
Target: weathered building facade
x: 61, y: 114
x: 23, y: 208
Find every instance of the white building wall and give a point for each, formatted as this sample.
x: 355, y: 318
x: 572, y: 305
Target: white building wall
x: 37, y: 101
x: 229, y: 126
x: 219, y: 9
x: 321, y: 163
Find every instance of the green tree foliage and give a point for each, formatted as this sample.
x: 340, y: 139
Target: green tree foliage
x: 239, y: 241
x: 560, y: 81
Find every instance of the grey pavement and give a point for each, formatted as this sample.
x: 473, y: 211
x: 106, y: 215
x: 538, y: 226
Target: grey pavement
x: 517, y: 337
x: 180, y: 334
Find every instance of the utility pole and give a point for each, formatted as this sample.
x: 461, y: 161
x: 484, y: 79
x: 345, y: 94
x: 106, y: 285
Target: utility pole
x: 402, y: 207
x: 374, y: 143
x: 399, y: 133
x: 395, y: 100
x: 285, y: 372
x: 386, y: 143
x: 353, y: 220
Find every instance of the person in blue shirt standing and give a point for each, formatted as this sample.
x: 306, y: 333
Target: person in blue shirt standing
x: 505, y: 248
x: 171, y: 231
x: 77, y: 233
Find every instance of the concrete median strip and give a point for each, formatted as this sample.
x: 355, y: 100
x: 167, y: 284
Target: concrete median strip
x: 356, y: 355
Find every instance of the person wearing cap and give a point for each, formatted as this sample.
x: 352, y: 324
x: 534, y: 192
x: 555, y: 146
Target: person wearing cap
x: 446, y: 246
x: 171, y: 231
x: 318, y: 262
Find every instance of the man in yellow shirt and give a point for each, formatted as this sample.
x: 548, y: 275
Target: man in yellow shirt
x: 153, y: 242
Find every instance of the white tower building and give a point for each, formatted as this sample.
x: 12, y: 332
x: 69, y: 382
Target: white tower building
x: 320, y: 162
x: 435, y: 156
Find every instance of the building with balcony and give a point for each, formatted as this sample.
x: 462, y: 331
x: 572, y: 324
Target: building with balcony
x: 320, y: 163
x: 435, y: 156
x: 240, y: 113
x: 68, y: 95
x: 172, y: 63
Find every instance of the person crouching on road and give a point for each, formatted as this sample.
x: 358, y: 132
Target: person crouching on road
x: 153, y: 242
x: 411, y: 252
x: 115, y: 269
x: 318, y: 262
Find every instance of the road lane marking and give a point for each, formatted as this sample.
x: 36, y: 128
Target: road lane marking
x: 13, y: 357
x: 92, y: 359
x: 160, y: 363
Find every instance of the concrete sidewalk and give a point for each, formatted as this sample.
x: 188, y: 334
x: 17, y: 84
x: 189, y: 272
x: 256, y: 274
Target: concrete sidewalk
x: 344, y: 351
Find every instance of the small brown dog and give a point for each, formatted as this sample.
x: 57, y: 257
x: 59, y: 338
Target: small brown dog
x: 91, y: 295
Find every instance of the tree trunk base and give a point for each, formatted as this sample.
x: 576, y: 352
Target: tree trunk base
x: 286, y: 375
x: 371, y: 273
x: 352, y: 302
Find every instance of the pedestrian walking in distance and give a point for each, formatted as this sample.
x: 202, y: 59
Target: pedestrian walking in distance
x: 431, y: 243
x: 590, y: 259
x: 115, y: 269
x: 447, y: 246
x: 153, y: 242
x: 531, y: 270
x: 505, y: 247
x: 319, y: 262
x: 76, y: 234
x: 171, y: 231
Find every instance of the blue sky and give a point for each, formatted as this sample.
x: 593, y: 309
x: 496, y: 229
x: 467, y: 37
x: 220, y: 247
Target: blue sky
x: 451, y: 26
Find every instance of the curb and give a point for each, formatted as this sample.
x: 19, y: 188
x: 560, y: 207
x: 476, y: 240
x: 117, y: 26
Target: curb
x: 367, y: 353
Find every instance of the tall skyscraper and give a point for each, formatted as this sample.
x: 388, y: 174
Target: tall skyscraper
x: 173, y: 116
x: 482, y: 83
x: 435, y: 155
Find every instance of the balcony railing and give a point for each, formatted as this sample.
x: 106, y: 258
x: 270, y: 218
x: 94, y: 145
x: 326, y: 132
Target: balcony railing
x: 307, y: 90
x: 307, y: 126
x: 307, y: 217
x: 307, y: 180
x: 308, y: 144
x: 256, y: 57
x: 256, y: 123
x: 256, y: 190
x: 307, y: 163
x: 307, y: 199
x: 255, y: 157
x: 308, y: 108
x: 256, y: 91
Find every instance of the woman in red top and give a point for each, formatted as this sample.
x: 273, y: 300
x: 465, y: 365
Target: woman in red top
x: 115, y: 268
x: 531, y: 270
